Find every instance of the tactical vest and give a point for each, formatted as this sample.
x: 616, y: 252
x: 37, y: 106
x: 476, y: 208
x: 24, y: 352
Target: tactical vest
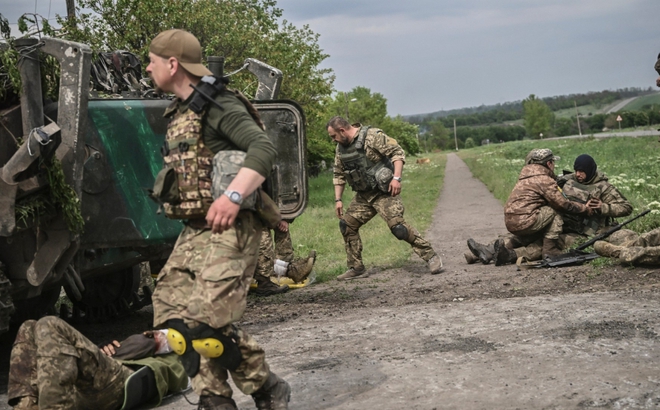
x: 192, y: 163
x: 360, y: 172
x: 187, y: 157
x: 586, y: 225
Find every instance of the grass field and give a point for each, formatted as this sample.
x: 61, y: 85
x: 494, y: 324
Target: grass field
x: 318, y: 227
x: 632, y: 165
x: 639, y: 103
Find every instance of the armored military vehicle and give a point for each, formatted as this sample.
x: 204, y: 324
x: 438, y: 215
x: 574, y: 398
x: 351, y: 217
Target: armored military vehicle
x: 106, y: 153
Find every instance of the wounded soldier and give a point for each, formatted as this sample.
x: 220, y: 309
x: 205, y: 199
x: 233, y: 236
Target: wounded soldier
x: 53, y: 366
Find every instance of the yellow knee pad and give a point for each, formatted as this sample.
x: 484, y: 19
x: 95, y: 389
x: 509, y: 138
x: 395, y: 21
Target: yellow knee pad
x: 208, y: 347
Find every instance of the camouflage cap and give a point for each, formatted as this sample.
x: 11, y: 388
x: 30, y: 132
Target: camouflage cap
x: 183, y: 46
x: 540, y: 156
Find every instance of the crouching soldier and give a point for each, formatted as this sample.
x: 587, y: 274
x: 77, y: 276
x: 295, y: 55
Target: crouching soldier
x: 532, y: 214
x: 53, y: 366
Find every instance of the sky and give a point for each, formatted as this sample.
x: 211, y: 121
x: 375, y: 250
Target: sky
x: 430, y: 55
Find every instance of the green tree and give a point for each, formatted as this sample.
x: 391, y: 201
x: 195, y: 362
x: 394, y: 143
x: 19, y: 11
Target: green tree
x: 404, y: 132
x: 234, y: 29
x: 537, y: 116
x: 469, y: 143
x: 359, y: 105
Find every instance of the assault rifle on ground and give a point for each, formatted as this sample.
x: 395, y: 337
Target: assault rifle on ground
x: 577, y: 256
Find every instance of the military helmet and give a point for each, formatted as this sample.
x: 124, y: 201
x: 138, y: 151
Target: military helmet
x: 540, y: 156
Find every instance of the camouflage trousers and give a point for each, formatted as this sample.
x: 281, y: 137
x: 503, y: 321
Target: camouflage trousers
x: 267, y: 255
x: 206, y: 280
x: 360, y: 211
x: 640, y: 250
x: 529, y: 242
x: 56, y: 364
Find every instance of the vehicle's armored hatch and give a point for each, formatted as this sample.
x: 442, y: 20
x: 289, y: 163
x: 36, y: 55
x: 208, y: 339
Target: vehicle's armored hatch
x: 285, y: 125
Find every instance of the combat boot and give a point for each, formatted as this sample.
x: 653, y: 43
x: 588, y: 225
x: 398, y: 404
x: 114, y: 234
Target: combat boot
x: 300, y: 270
x: 503, y: 255
x: 353, y: 273
x: 551, y: 248
x: 265, y: 287
x: 485, y: 253
x: 608, y: 250
x: 273, y: 395
x: 470, y: 258
x: 213, y: 402
x: 435, y: 265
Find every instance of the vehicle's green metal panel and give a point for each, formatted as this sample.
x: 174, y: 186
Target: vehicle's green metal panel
x: 132, y: 132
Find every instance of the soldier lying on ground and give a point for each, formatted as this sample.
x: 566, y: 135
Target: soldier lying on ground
x: 632, y: 248
x: 52, y: 365
x: 270, y: 264
x: 532, y: 214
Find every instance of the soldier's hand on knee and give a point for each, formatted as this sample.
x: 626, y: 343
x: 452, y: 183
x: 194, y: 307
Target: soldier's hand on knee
x: 657, y: 82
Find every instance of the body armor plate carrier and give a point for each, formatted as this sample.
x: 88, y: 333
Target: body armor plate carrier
x: 361, y: 173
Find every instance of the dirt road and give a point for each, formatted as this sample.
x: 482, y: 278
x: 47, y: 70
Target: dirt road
x: 475, y: 337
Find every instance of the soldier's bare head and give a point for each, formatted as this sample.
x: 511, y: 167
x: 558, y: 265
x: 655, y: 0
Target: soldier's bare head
x: 340, y: 130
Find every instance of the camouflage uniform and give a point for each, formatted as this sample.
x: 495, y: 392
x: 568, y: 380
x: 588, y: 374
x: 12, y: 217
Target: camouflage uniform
x: 614, y: 204
x: 366, y: 204
x: 207, y: 277
x: 575, y: 227
x: 631, y: 247
x: 531, y: 212
x: 60, y: 368
x: 267, y: 255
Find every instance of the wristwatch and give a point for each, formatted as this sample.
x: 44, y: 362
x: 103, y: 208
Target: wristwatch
x: 397, y: 178
x: 234, y: 196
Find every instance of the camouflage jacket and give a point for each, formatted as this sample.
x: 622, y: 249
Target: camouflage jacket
x: 614, y: 204
x: 376, y: 145
x: 536, y: 187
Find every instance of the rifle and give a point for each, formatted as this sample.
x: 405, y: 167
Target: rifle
x: 577, y: 256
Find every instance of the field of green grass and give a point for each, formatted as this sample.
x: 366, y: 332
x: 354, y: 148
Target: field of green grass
x: 584, y: 110
x: 639, y: 103
x: 632, y: 165
x: 318, y: 227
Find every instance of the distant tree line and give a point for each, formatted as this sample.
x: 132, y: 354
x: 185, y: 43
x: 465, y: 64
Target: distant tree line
x: 500, y: 113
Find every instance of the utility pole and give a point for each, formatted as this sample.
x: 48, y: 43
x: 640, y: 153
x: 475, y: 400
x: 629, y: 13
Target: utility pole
x: 71, y: 11
x: 577, y: 115
x: 455, y: 139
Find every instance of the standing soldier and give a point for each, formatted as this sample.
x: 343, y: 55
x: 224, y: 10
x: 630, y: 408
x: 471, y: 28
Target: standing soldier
x: 201, y: 292
x: 372, y: 164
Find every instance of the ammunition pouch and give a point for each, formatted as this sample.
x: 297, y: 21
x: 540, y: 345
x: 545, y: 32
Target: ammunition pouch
x: 226, y: 165
x: 382, y: 174
x: 205, y: 341
x: 166, y: 187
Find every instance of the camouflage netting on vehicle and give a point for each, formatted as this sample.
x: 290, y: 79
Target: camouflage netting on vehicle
x: 117, y: 72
